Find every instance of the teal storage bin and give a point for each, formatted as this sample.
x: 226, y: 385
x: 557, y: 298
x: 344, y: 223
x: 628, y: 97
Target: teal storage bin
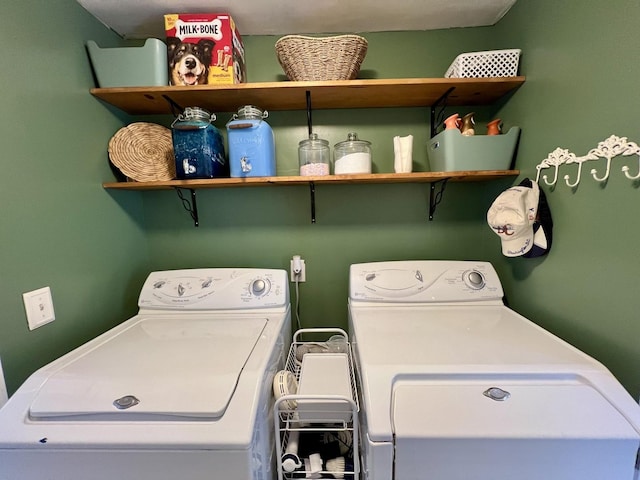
x: 144, y: 66
x: 450, y: 151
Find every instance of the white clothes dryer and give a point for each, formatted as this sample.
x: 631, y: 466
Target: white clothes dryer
x: 182, y: 390
x: 457, y: 386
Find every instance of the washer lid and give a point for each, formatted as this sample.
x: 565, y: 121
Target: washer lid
x: 152, y: 369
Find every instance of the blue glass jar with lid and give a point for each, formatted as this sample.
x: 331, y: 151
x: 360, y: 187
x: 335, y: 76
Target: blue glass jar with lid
x: 252, y: 150
x: 198, y: 146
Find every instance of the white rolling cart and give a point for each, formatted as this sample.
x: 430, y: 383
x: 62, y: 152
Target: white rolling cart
x: 316, y: 409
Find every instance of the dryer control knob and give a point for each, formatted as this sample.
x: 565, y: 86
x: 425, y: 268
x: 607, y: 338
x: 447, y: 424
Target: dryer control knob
x: 260, y: 287
x: 474, y: 279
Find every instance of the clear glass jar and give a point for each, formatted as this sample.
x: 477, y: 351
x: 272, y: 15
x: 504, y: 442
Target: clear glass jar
x: 198, y: 146
x: 314, y: 156
x: 352, y: 155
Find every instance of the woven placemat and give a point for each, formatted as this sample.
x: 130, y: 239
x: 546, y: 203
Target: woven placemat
x: 143, y: 152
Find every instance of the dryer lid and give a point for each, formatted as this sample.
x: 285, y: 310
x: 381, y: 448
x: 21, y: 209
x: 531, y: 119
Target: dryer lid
x: 501, y: 407
x: 488, y: 426
x: 154, y: 369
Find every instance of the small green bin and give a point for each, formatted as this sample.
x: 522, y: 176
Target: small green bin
x: 450, y: 151
x: 144, y: 66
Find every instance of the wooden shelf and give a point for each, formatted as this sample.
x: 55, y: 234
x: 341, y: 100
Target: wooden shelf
x: 418, y: 177
x: 273, y: 96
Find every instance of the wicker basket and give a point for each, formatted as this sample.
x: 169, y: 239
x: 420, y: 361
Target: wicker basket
x: 143, y: 152
x: 321, y: 58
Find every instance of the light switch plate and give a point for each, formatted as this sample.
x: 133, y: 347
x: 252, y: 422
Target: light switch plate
x: 38, y: 305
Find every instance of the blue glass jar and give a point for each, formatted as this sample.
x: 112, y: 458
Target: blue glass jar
x: 198, y: 146
x: 252, y: 150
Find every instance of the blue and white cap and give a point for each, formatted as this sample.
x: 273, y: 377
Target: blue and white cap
x: 512, y: 216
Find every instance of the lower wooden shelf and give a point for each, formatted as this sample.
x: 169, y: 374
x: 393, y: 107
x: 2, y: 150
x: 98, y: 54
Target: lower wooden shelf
x: 434, y: 178
x: 417, y: 177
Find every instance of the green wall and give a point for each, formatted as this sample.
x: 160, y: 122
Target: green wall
x: 93, y: 247
x: 58, y: 227
x: 577, y: 59
x: 358, y: 223
x: 580, y: 59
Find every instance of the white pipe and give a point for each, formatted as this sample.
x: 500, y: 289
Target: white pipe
x: 290, y: 459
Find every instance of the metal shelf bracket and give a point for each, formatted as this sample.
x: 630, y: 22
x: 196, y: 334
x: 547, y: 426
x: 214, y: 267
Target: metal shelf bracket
x: 190, y: 205
x: 312, y: 185
x: 312, y: 192
x: 435, y: 121
x: 436, y: 197
x: 175, y: 108
x: 437, y: 118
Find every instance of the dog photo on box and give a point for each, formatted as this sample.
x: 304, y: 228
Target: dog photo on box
x: 204, y: 49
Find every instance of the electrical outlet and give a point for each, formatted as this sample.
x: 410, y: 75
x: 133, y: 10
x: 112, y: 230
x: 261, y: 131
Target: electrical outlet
x: 38, y: 305
x: 298, y: 270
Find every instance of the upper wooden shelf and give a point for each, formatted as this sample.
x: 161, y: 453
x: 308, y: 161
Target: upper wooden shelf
x: 272, y: 96
x: 417, y: 177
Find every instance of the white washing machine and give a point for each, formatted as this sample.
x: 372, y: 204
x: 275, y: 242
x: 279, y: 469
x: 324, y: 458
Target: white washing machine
x: 456, y: 386
x: 182, y: 390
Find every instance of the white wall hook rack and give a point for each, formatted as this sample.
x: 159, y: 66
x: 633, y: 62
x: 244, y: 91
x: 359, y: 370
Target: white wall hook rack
x: 608, y: 149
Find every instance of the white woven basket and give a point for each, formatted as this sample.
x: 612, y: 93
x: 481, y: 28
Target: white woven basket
x: 493, y: 63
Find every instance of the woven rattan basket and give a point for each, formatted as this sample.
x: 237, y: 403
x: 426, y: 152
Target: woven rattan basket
x: 143, y: 152
x: 321, y: 58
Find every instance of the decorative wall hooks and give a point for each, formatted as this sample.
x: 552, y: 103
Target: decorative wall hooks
x: 608, y: 149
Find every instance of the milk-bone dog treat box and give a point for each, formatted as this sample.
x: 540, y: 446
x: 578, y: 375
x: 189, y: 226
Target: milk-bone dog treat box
x: 204, y: 49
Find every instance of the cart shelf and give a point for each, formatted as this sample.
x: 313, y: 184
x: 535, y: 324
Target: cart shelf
x: 316, y: 409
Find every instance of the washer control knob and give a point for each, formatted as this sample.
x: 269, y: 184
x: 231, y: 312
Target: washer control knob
x: 260, y: 287
x: 474, y: 279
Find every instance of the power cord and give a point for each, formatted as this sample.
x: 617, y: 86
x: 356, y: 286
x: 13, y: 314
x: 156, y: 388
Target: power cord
x: 297, y: 309
x: 296, y: 270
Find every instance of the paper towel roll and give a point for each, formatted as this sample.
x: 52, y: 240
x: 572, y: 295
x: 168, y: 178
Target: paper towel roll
x: 403, y: 154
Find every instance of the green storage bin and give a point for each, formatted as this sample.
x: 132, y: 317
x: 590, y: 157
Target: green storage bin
x: 144, y: 66
x: 450, y: 151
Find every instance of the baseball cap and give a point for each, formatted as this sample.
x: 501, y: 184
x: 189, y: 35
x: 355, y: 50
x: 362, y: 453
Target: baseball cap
x: 512, y: 216
x: 542, y: 227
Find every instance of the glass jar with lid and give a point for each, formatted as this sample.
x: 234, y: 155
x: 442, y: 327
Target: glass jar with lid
x: 314, y: 156
x: 198, y: 146
x: 352, y: 155
x: 252, y: 150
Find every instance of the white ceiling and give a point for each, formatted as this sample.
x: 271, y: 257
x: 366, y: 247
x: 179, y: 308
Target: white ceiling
x: 144, y: 18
